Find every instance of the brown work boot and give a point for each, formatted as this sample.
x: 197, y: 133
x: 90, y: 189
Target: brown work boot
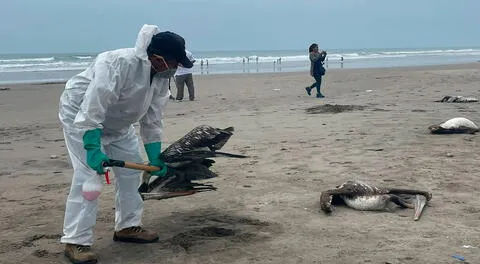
x: 79, y: 254
x: 135, y: 234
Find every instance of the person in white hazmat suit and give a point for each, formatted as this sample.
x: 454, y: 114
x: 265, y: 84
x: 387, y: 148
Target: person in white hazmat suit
x: 97, y: 110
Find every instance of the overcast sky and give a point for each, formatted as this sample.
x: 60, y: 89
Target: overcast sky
x: 48, y: 26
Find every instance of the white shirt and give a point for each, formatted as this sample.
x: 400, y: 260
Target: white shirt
x: 181, y: 70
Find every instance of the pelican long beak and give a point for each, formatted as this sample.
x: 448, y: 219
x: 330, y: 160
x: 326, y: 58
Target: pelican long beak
x: 419, y: 204
x: 166, y: 195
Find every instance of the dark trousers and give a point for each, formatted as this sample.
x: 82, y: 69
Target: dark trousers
x: 317, y: 83
x: 180, y: 81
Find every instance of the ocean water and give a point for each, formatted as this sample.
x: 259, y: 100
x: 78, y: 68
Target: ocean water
x: 21, y: 68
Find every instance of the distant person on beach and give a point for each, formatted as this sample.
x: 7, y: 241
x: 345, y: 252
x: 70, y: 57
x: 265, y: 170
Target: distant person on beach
x: 170, y: 89
x: 97, y: 110
x: 316, y: 68
x: 185, y: 76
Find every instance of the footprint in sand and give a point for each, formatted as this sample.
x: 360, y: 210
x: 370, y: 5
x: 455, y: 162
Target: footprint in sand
x: 43, y: 253
x: 50, y: 163
x: 5, y: 173
x: 32, y: 242
x: 29, y: 162
x: 53, y: 186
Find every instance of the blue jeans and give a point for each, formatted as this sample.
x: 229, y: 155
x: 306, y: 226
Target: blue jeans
x: 317, y: 83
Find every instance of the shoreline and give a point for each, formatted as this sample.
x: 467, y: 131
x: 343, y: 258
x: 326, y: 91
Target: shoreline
x: 331, y: 70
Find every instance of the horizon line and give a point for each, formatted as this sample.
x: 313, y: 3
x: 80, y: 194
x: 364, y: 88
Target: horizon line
x: 241, y: 50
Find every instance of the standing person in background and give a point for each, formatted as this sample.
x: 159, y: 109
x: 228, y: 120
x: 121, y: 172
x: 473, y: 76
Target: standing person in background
x: 316, y: 68
x: 170, y: 89
x: 185, y: 76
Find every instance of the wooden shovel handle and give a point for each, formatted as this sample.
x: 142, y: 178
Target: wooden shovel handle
x: 130, y: 165
x: 138, y: 166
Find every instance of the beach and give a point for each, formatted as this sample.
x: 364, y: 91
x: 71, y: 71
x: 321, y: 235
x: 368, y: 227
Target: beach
x: 266, y: 208
x: 58, y: 67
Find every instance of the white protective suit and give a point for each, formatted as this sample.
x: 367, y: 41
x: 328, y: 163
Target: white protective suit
x: 112, y: 94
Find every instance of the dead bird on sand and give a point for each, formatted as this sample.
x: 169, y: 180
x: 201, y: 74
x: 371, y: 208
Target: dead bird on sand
x: 362, y: 196
x: 457, y: 99
x: 188, y: 159
x: 457, y: 125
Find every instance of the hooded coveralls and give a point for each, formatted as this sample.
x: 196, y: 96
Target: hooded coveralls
x: 112, y: 94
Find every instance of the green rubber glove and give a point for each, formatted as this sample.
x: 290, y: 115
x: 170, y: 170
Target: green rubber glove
x: 95, y: 156
x: 153, y: 153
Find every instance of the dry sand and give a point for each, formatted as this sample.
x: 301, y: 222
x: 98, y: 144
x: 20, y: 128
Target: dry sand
x: 266, y: 209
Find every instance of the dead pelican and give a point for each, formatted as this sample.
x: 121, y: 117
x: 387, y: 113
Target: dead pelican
x: 455, y: 125
x: 362, y: 196
x: 188, y: 159
x: 457, y: 99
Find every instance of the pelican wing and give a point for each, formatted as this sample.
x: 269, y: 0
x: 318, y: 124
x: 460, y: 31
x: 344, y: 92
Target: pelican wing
x: 352, y: 189
x: 200, y: 138
x: 348, y: 189
x: 189, y: 160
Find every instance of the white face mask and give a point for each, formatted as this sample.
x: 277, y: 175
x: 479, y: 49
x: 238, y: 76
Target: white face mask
x: 167, y: 73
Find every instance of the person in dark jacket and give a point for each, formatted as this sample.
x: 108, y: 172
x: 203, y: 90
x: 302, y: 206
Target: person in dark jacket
x: 316, y: 68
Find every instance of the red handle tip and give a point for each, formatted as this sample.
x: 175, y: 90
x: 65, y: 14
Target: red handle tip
x: 107, y: 178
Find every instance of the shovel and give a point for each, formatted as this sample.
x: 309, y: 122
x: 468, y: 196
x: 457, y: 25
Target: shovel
x: 130, y: 165
x: 144, y: 186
